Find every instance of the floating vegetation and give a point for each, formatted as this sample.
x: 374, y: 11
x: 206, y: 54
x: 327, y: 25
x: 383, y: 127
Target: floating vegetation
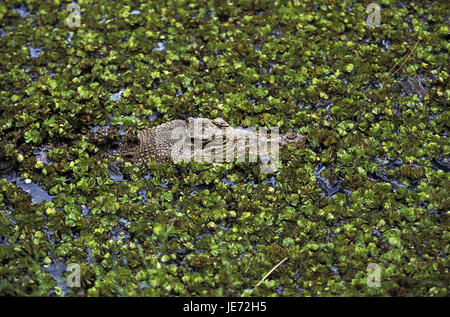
x: 419, y: 86
x: 31, y: 188
x: 370, y: 188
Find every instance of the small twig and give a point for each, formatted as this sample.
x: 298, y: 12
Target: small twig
x: 404, y: 62
x: 270, y: 272
x: 395, y: 65
x: 407, y: 58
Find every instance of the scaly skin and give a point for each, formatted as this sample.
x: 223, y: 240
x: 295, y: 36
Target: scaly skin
x: 168, y: 142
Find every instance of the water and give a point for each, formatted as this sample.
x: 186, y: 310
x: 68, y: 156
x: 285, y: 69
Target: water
x: 334, y: 269
x: 33, y: 77
x: 84, y: 210
x: 49, y: 234
x: 160, y: 46
x: 387, y: 45
x: 442, y: 164
x: 115, y: 174
x: 69, y: 39
x: 257, y: 46
x: 151, y: 117
x: 325, y: 184
x: 279, y: 290
x: 3, y: 241
x: 118, y: 232
x: 56, y: 270
x: 377, y: 233
x: 143, y: 284
x: 118, y: 95
x: 23, y: 11
x: 34, y: 52
x: 272, y: 181
x: 41, y: 154
x: 89, y: 257
x: 419, y: 85
x: 9, y: 216
x: 34, y: 190
x: 228, y: 182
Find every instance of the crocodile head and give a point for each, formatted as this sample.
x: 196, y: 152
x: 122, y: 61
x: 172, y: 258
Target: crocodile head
x: 292, y: 138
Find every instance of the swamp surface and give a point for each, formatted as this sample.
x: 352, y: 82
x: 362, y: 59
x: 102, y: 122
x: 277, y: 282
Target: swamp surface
x: 371, y: 186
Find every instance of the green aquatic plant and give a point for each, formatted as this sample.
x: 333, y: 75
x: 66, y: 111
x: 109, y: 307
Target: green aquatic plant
x: 371, y: 185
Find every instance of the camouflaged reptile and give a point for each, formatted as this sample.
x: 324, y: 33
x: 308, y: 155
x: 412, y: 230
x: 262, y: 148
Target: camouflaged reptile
x: 200, y: 139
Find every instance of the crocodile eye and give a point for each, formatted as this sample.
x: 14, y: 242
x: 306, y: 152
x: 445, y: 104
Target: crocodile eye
x: 291, y: 136
x: 128, y: 156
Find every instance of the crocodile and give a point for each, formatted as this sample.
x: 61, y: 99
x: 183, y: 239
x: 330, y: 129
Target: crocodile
x: 201, y: 139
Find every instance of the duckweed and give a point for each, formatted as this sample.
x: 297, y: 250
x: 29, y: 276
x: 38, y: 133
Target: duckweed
x: 371, y: 186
